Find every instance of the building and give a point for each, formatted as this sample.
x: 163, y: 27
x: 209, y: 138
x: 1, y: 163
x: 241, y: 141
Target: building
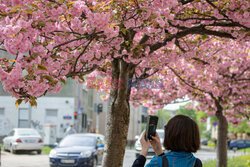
x: 56, y: 109
x: 137, y: 122
x: 99, y: 111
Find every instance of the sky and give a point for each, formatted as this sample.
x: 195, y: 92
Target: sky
x: 175, y: 106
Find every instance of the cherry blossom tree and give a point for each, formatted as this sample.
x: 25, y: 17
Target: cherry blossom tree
x: 218, y: 79
x: 51, y: 40
x: 223, y: 90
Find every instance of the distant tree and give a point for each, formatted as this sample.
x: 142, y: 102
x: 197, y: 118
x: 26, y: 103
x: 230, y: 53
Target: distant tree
x: 243, y: 127
x: 188, y: 112
x: 163, y: 116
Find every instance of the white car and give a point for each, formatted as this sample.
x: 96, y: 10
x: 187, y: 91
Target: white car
x: 23, y: 139
x: 151, y: 152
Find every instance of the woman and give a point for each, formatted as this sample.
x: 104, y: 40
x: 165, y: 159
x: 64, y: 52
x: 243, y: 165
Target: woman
x: 181, y: 138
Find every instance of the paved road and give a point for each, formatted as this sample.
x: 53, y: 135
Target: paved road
x: 24, y: 160
x: 34, y: 160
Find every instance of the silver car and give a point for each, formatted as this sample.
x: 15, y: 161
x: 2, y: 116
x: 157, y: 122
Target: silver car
x: 151, y: 152
x: 23, y: 139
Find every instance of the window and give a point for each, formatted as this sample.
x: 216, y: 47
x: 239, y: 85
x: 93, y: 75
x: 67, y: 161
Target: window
x: 84, y: 120
x: 26, y: 132
x: 23, y: 118
x: 51, y: 116
x: 241, y: 142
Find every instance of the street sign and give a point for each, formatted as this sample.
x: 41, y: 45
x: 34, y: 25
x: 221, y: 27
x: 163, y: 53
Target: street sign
x: 68, y: 117
x: 80, y: 109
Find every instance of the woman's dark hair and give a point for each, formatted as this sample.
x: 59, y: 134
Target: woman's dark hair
x: 181, y: 134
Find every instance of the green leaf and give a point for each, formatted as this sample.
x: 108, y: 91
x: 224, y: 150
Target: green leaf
x: 62, y: 80
x: 15, y: 9
x: 18, y: 102
x: 81, y: 78
x: 41, y: 67
x: 34, y: 5
x: 204, y: 37
x: 124, y: 31
x: 41, y: 23
x: 49, y: 78
x: 33, y: 102
x: 49, y: 4
x: 28, y: 11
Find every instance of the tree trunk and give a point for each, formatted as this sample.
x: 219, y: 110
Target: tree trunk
x: 222, y: 139
x: 118, y: 118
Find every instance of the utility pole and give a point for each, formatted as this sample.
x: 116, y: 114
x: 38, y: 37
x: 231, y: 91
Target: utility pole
x: 78, y: 110
x: 30, y: 114
x: 98, y: 110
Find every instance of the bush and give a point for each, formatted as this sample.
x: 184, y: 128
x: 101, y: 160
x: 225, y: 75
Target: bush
x: 211, y: 144
x: 46, y: 150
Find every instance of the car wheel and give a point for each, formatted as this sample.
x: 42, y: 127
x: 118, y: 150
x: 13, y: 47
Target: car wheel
x: 39, y: 151
x: 94, y: 163
x: 12, y: 150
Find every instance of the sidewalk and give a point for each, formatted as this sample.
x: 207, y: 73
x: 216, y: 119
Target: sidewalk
x: 206, y: 148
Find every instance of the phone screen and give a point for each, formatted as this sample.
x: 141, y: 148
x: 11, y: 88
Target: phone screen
x: 151, y: 126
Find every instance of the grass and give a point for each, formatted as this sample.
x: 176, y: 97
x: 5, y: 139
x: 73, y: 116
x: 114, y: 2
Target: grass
x: 211, y: 144
x: 46, y: 150
x: 240, y: 161
x: 247, y: 150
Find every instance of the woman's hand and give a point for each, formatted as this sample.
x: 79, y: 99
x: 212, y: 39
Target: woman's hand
x: 156, y: 144
x: 144, y: 144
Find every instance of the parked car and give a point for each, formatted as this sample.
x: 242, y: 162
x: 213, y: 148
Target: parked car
x: 204, y: 141
x: 239, y: 144
x: 78, y: 150
x: 23, y: 139
x: 150, y: 151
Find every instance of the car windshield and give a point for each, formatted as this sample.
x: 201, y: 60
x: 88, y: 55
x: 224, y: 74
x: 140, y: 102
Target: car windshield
x: 27, y: 132
x: 77, y: 141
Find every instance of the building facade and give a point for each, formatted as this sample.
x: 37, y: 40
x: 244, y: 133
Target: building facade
x: 75, y: 105
x: 57, y: 109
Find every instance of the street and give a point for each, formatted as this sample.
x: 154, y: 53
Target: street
x: 34, y: 160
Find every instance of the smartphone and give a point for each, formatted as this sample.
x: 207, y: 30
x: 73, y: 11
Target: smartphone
x: 151, y: 126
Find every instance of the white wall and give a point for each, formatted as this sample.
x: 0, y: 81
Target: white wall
x: 63, y: 105
x: 9, y: 119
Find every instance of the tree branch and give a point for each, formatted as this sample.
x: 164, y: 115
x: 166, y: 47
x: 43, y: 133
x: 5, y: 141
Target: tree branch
x: 202, y: 61
x: 85, y: 48
x: 194, y: 30
x: 196, y: 88
x: 88, y: 71
x: 67, y: 42
x: 184, y: 2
